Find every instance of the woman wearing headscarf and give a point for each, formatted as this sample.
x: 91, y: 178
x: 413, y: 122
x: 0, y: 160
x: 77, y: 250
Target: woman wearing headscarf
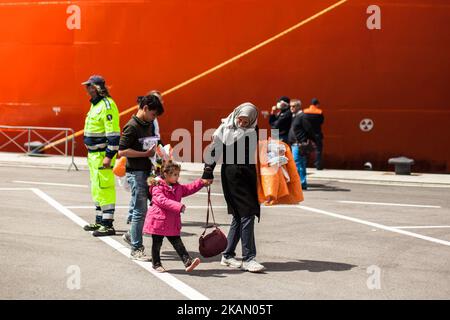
x: 236, y: 140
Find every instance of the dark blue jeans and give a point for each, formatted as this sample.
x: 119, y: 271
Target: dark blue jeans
x: 242, y: 228
x: 138, y: 205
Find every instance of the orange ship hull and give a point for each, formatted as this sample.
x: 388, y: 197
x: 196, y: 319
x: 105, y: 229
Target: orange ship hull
x: 396, y: 76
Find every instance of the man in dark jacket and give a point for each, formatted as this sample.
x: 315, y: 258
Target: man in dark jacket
x: 315, y: 118
x: 281, y: 117
x: 137, y: 143
x: 298, y: 139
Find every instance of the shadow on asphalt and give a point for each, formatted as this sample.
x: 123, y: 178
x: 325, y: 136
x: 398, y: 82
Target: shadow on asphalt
x: 120, y: 232
x: 324, y: 187
x: 182, y: 234
x: 300, y: 265
x: 308, y: 265
x: 173, y: 256
x: 201, y: 224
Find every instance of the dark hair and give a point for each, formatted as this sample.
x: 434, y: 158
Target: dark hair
x: 152, y: 102
x: 285, y: 99
x: 102, y: 90
x: 169, y: 167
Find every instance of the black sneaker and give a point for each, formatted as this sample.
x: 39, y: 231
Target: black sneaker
x: 92, y: 227
x: 104, y: 231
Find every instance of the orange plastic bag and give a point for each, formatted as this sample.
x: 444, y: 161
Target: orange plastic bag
x: 273, y: 187
x: 119, y: 167
x: 295, y: 194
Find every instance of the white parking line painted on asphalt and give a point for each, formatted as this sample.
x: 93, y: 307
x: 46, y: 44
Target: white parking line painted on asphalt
x: 52, y: 184
x: 386, y: 183
x: 69, y: 214
x: 188, y: 206
x: 372, y: 224
x: 176, y: 284
x: 376, y: 225
x: 205, y: 207
x: 212, y: 193
x: 391, y: 204
x: 421, y: 227
x: 93, y: 207
x: 126, y: 207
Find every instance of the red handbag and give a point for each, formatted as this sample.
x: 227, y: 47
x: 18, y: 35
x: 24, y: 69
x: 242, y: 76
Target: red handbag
x: 215, y: 242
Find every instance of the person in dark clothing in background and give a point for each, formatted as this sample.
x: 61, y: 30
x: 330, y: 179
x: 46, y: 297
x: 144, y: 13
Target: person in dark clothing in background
x: 299, y: 140
x: 281, y: 118
x: 236, y: 139
x: 315, y: 118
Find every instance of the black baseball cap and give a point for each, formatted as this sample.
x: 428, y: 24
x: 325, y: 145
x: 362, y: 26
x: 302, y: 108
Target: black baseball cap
x: 95, y: 79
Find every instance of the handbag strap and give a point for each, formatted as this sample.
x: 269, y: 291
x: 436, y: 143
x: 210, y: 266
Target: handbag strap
x: 209, y: 206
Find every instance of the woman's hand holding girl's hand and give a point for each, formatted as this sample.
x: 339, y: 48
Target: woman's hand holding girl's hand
x: 207, y: 182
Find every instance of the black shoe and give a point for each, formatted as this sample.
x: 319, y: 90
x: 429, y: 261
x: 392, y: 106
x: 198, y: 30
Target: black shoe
x: 104, y: 231
x: 92, y: 227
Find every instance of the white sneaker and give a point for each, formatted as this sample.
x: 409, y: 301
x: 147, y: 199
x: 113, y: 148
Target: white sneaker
x: 253, y: 266
x: 140, y: 255
x: 231, y: 262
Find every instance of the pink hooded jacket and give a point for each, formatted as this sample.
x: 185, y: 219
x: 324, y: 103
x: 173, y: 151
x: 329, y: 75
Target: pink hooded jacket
x: 164, y: 215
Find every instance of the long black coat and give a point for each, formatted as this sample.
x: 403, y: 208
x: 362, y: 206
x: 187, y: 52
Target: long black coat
x: 238, y: 173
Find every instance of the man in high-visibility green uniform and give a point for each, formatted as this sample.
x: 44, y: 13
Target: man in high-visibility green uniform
x: 101, y: 137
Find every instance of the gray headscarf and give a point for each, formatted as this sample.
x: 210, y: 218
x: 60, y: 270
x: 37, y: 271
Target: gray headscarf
x: 229, y: 131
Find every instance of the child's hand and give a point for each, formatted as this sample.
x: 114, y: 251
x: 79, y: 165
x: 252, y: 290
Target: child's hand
x: 207, y: 182
x: 150, y: 152
x: 153, y: 181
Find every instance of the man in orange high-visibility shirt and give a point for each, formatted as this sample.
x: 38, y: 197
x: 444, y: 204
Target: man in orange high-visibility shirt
x: 314, y: 116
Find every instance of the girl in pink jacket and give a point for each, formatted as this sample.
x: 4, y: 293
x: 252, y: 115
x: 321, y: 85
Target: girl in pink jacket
x: 164, y: 215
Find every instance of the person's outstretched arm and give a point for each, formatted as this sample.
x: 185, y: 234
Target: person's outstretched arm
x: 160, y: 200
x: 193, y: 187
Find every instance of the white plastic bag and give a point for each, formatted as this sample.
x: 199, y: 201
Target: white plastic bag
x: 123, y: 182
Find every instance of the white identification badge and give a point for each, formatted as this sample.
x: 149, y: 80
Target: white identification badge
x: 98, y: 110
x: 149, y: 142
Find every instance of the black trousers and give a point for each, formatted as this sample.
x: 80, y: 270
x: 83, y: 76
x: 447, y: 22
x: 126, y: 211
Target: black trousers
x: 242, y: 228
x: 318, y: 146
x: 177, y: 244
